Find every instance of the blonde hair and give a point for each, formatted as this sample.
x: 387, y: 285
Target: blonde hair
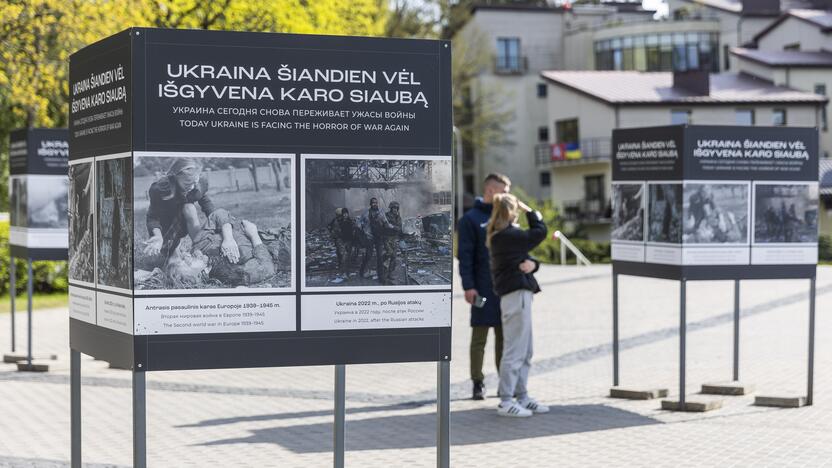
x: 503, y: 213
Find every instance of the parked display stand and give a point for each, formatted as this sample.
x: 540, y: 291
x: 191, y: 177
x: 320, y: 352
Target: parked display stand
x: 715, y: 203
x: 37, y: 217
x: 260, y: 200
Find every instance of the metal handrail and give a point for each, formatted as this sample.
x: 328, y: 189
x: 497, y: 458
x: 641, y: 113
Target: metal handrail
x: 566, y: 244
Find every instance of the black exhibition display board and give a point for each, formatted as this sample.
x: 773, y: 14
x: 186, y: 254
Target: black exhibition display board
x: 38, y: 202
x: 715, y: 202
x: 255, y: 199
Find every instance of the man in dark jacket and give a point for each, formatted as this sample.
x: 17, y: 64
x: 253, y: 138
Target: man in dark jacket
x: 475, y: 270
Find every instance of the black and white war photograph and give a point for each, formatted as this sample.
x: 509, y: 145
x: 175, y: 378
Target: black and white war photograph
x: 114, y: 185
x: 665, y: 213
x: 213, y: 223
x: 716, y: 213
x: 628, y: 212
x: 17, y: 201
x: 785, y: 213
x: 81, y: 213
x: 46, y: 201
x: 377, y: 222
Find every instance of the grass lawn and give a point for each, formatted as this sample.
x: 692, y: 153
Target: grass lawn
x: 39, y: 301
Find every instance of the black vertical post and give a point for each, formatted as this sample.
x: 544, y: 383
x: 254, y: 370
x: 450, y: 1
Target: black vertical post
x: 139, y: 421
x: 75, y: 407
x: 13, y: 292
x: 811, y: 375
x: 736, y: 330
x: 29, y: 312
x: 615, y: 329
x: 682, y: 344
x: 339, y: 442
x: 443, y: 419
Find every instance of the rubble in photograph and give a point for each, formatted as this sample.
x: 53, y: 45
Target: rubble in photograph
x: 377, y: 222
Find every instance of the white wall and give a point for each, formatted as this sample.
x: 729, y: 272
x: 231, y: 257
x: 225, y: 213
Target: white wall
x: 645, y: 116
x: 794, y: 30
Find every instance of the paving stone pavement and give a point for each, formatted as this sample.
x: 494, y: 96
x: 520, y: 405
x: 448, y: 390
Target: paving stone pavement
x: 283, y: 417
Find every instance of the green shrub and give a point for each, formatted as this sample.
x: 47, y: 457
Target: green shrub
x: 825, y: 248
x: 48, y: 276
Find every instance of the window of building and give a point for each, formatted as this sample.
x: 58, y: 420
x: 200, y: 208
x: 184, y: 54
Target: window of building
x: 820, y: 88
x: 541, y: 90
x: 545, y: 179
x: 657, y: 52
x: 594, y: 191
x: 543, y: 134
x: 508, y: 53
x: 680, y: 116
x: 566, y: 131
x: 726, y: 55
x: 778, y: 117
x: 468, y: 183
x: 745, y: 116
x: 792, y: 46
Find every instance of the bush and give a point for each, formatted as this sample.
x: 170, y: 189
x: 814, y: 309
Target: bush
x: 825, y: 248
x: 49, y: 276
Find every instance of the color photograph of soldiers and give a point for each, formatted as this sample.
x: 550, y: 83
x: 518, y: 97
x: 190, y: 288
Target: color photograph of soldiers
x: 213, y: 223
x: 376, y: 222
x: 665, y: 213
x: 716, y: 213
x: 628, y: 212
x: 785, y: 213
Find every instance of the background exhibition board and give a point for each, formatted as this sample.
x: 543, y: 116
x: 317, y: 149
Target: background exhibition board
x: 38, y: 202
x: 286, y: 144
x: 687, y: 198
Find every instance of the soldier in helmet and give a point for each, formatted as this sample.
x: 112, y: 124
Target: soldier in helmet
x: 343, y: 230
x: 391, y: 241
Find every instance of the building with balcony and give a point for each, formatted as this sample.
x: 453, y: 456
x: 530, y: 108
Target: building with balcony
x: 585, y: 106
x: 522, y: 42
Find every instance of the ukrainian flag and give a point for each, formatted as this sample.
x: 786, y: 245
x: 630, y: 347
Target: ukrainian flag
x: 573, y: 151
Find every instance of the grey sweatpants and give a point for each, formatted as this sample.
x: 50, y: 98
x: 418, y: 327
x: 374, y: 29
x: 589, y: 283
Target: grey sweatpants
x: 516, y: 313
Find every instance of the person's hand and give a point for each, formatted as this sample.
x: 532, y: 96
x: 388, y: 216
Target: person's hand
x: 153, y: 245
x: 470, y: 295
x: 524, y: 206
x: 230, y: 251
x: 527, y: 266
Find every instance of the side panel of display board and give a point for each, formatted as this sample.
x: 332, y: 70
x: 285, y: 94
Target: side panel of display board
x: 101, y: 200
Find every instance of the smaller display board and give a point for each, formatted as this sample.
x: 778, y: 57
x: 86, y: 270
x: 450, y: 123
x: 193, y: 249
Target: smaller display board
x: 38, y: 203
x: 688, y: 198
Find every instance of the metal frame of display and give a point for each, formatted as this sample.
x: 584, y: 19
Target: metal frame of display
x: 698, y: 273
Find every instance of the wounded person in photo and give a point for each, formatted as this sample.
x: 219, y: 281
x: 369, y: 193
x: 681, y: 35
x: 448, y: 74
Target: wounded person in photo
x: 716, y: 213
x: 191, y: 242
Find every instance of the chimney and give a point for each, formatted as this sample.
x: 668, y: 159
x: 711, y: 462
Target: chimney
x: 760, y: 7
x: 697, y: 82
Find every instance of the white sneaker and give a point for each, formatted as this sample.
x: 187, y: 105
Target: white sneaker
x: 513, y: 410
x: 532, y: 405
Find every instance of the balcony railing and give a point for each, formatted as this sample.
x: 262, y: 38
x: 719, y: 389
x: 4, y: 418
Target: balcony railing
x: 593, y: 150
x: 511, y: 64
x: 587, y: 211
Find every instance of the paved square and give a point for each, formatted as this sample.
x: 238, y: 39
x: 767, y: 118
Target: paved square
x: 283, y: 417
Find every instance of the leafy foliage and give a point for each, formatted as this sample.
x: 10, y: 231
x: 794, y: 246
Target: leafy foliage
x: 48, y: 276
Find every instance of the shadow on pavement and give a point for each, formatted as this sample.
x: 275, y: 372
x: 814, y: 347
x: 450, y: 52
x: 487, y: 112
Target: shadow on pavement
x: 468, y: 427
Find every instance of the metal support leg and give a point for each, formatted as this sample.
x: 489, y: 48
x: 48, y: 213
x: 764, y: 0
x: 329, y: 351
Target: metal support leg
x: 75, y: 407
x: 139, y: 421
x: 13, y: 292
x: 340, y: 415
x: 811, y: 380
x: 682, y: 337
x: 615, y: 329
x: 736, y: 330
x: 443, y: 399
x: 29, y: 312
